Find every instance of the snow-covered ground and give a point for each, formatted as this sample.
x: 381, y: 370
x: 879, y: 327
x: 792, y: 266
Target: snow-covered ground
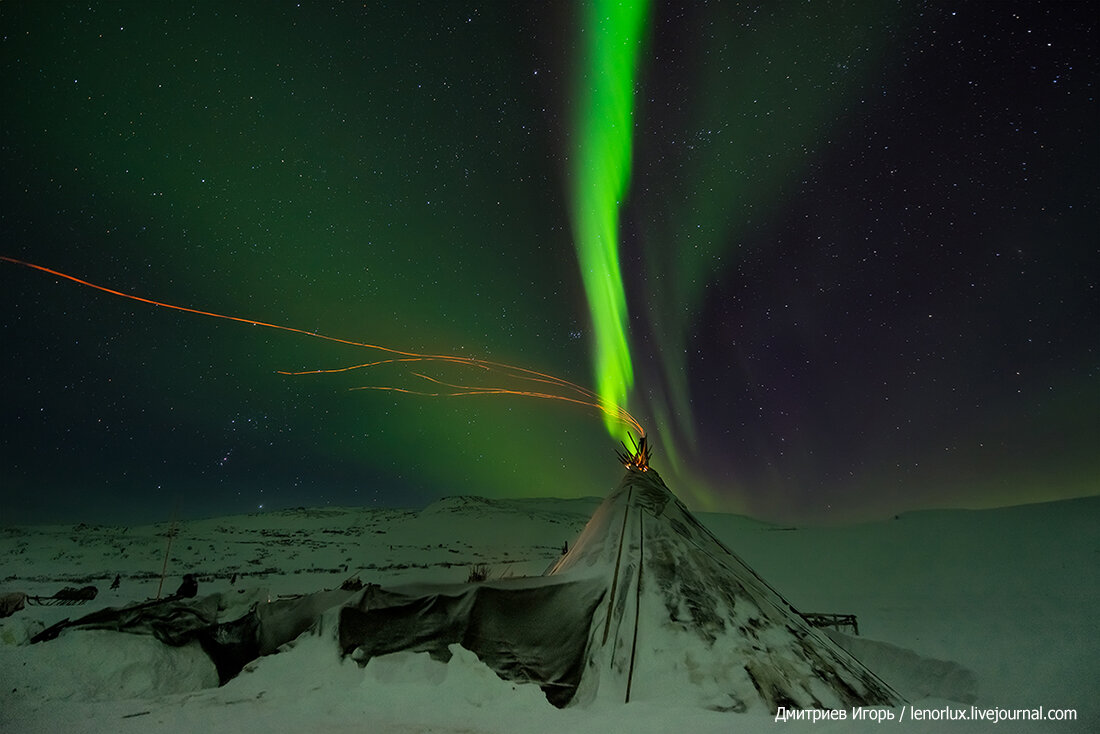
x: 990, y: 609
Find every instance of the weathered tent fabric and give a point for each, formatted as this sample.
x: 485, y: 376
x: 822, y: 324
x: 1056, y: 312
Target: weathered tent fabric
x: 647, y: 605
x: 172, y: 621
x: 528, y: 630
x: 686, y: 619
x: 232, y: 631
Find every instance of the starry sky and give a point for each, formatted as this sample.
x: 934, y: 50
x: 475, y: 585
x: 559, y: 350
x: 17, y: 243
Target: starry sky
x: 859, y: 248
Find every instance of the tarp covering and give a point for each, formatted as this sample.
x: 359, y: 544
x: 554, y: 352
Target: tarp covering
x: 646, y: 605
x: 232, y: 631
x: 530, y: 630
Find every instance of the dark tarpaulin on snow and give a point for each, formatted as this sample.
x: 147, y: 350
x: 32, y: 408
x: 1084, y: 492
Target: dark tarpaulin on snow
x: 528, y: 630
x: 230, y: 638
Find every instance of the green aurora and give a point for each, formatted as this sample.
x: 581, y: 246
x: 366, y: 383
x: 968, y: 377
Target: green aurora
x: 612, y: 33
x: 837, y: 260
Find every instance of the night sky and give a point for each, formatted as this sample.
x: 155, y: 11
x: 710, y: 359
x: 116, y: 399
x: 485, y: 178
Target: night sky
x: 859, y: 246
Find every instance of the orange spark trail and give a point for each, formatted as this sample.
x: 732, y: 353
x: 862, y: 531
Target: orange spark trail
x: 616, y: 412
x: 201, y: 313
x: 587, y: 397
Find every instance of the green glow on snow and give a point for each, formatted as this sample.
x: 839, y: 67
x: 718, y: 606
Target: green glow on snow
x: 600, y: 175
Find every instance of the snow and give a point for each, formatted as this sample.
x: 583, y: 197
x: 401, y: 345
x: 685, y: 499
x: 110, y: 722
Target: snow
x: 993, y: 606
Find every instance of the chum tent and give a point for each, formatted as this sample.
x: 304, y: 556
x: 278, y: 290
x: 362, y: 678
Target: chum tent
x: 646, y: 605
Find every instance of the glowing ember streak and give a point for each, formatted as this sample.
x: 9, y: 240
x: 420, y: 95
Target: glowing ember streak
x: 588, y: 398
x: 614, y: 412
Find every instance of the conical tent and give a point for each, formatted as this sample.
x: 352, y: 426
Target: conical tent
x: 647, y: 605
x: 685, y: 619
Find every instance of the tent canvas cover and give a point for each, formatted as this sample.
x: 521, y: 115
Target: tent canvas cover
x: 646, y: 605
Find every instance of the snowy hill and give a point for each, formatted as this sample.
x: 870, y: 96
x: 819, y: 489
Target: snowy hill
x: 987, y: 609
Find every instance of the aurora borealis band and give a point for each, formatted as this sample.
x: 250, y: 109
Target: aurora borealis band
x: 858, y: 253
x: 612, y: 34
